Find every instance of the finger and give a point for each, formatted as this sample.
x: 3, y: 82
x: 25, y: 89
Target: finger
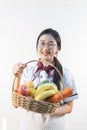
x: 18, y: 68
x: 22, y: 66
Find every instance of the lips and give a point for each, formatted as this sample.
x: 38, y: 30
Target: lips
x: 46, y: 53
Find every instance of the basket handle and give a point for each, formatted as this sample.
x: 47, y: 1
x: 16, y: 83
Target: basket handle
x: 62, y: 81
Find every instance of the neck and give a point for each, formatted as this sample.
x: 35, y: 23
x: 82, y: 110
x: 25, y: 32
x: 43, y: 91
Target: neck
x: 46, y: 62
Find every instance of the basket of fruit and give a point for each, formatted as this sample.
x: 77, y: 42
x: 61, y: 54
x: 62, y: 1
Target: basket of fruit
x: 45, y: 98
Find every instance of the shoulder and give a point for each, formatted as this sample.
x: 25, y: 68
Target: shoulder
x: 68, y: 78
x: 67, y: 74
x: 69, y: 82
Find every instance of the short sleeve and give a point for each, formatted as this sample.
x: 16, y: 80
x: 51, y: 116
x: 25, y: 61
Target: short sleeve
x: 69, y: 82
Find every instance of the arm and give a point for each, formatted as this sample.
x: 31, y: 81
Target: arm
x: 68, y: 106
x: 64, y: 109
x: 16, y: 83
x: 17, y: 72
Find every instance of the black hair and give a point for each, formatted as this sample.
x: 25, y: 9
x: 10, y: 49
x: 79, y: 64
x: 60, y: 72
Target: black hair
x: 56, y: 77
x: 56, y: 36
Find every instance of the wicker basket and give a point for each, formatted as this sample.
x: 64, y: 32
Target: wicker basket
x: 31, y: 104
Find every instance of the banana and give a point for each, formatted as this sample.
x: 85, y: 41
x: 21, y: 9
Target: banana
x: 45, y: 94
x: 45, y: 86
x: 32, y: 91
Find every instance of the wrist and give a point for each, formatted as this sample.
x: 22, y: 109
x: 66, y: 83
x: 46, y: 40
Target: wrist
x: 18, y: 77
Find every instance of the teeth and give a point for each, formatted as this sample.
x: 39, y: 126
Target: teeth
x: 46, y: 53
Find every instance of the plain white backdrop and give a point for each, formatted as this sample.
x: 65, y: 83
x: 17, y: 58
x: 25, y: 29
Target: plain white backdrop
x: 20, y: 24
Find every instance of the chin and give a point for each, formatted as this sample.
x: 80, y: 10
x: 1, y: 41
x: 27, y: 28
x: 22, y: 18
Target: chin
x: 47, y: 58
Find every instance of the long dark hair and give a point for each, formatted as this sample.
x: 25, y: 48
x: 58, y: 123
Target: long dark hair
x: 56, y: 36
x: 56, y: 77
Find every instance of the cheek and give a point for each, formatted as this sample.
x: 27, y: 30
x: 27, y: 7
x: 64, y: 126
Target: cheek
x: 54, y: 52
x: 38, y: 50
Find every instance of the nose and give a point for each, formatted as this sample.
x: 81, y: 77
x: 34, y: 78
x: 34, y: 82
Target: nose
x: 46, y: 47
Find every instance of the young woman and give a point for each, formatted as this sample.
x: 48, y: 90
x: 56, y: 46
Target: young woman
x: 48, y: 46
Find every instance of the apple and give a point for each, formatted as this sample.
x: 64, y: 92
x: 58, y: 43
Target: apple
x: 24, y: 90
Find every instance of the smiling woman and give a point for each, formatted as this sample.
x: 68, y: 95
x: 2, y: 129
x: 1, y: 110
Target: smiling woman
x: 48, y: 44
x: 20, y: 23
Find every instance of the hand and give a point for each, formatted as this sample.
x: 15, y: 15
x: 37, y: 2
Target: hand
x: 18, y: 69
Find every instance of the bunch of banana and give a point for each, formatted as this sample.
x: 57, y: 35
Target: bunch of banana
x: 45, y: 89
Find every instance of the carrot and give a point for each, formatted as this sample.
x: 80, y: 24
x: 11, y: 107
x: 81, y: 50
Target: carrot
x: 67, y: 92
x: 60, y: 96
x: 54, y: 99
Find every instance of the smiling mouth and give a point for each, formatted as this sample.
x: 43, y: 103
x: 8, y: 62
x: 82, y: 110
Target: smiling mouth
x: 46, y: 53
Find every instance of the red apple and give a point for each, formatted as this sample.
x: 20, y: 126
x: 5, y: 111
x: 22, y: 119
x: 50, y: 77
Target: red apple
x: 24, y: 90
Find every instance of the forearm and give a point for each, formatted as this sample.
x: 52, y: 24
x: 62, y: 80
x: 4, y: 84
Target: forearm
x: 16, y: 83
x: 17, y: 72
x: 64, y: 109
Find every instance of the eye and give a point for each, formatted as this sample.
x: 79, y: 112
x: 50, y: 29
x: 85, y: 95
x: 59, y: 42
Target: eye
x: 42, y: 43
x: 51, y: 44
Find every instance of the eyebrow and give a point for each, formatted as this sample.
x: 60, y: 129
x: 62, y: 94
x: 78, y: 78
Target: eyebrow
x: 48, y: 42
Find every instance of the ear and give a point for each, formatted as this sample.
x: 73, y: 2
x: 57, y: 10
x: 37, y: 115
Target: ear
x: 58, y: 48
x: 56, y: 52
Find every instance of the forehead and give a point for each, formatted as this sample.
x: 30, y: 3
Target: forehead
x: 47, y: 37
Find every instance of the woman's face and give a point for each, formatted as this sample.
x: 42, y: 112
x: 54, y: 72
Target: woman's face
x: 47, y: 47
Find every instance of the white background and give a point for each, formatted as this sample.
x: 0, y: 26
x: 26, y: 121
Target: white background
x: 20, y: 24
